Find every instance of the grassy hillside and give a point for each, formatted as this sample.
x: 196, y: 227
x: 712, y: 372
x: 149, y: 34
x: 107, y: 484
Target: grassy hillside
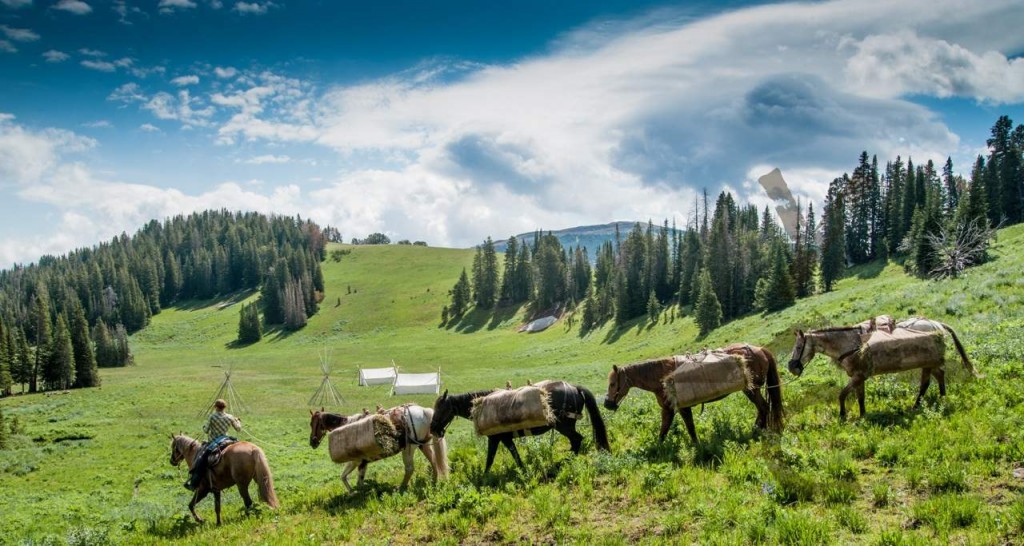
x: 92, y: 466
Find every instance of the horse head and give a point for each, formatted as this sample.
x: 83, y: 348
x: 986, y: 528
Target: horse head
x: 800, y: 355
x: 444, y: 413
x: 317, y: 430
x: 618, y: 387
x: 179, y: 448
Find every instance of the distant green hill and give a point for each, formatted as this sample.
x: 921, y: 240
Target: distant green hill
x: 91, y: 466
x: 589, y: 237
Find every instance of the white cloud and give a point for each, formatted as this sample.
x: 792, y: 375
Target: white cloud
x: 182, y: 81
x: 102, y: 66
x: 26, y: 154
x: 54, y: 56
x: 180, y: 108
x: 269, y: 158
x: 19, y: 34
x: 149, y: 128
x: 894, y: 65
x: 73, y: 6
x: 98, y: 124
x: 253, y: 8
x: 92, y: 52
x: 168, y: 6
x: 225, y: 73
x: 127, y: 93
x: 7, y: 47
x: 273, y: 108
x: 16, y: 3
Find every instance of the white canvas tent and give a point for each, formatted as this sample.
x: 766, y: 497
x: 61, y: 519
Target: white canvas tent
x: 377, y: 376
x: 417, y: 383
x: 540, y: 324
x: 226, y: 392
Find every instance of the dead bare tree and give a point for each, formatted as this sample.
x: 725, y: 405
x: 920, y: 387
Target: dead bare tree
x: 958, y: 247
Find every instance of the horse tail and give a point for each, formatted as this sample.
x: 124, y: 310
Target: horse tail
x: 776, y: 413
x: 440, y: 449
x: 264, y: 479
x: 600, y: 432
x: 960, y: 349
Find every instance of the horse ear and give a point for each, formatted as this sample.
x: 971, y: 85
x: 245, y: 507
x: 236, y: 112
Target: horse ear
x: 445, y: 395
x: 615, y: 368
x: 311, y: 412
x: 321, y: 409
x: 799, y: 333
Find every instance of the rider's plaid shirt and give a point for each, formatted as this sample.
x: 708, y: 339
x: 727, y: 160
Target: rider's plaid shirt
x: 219, y: 424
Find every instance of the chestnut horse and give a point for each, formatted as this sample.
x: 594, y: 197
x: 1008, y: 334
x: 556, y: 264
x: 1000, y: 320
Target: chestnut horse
x: 650, y: 374
x: 843, y: 345
x: 240, y: 464
x: 413, y: 425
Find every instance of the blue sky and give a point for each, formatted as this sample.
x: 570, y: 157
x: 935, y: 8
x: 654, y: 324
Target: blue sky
x: 448, y: 122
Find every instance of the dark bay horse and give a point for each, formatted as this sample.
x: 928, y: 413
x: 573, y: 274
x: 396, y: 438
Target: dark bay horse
x: 650, y: 374
x: 240, y: 464
x: 567, y: 402
x: 843, y: 345
x: 413, y: 426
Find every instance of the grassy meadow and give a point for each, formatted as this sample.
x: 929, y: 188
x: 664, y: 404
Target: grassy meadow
x: 91, y: 466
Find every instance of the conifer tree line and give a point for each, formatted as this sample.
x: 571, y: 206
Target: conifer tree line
x: 63, y: 317
x: 732, y: 260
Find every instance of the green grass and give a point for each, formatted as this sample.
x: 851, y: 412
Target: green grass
x: 92, y: 466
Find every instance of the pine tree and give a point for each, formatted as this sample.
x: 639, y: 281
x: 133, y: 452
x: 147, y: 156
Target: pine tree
x: 7, y: 357
x: 810, y: 252
x: 485, y: 275
x: 691, y: 255
x: 249, y: 328
x: 461, y: 295
x: 952, y: 193
x: 833, y: 258
x: 21, y: 370
x: 86, y: 374
x: 507, y: 294
x: 524, y: 275
x: 653, y: 307
x: 775, y: 291
x: 41, y: 334
x: 59, y: 368
x: 708, y: 313
x: 974, y: 205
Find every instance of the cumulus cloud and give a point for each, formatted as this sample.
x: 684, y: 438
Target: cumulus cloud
x: 169, y: 6
x: 26, y: 154
x: 92, y: 52
x: 98, y: 124
x: 7, y: 47
x: 182, y: 81
x: 269, y: 158
x: 73, y: 6
x: 149, y: 128
x: 225, y: 72
x: 253, y: 8
x: 54, y: 56
x: 286, y: 100
x: 179, y: 108
x: 16, y: 3
x: 19, y: 34
x: 102, y: 66
x: 894, y: 65
x: 127, y: 93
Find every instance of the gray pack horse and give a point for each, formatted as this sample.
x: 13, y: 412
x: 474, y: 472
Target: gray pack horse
x: 413, y: 425
x: 240, y: 464
x: 568, y: 402
x: 648, y: 376
x: 843, y: 345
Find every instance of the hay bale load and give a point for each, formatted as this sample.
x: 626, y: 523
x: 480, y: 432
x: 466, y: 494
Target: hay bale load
x: 902, y: 350
x: 368, y: 439
x: 512, y: 410
x: 704, y: 377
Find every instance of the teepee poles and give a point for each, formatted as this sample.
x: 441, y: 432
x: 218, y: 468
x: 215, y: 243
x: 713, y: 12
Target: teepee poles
x: 326, y: 394
x: 227, y: 392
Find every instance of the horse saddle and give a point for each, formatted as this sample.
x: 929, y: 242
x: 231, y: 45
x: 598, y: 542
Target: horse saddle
x: 215, y: 449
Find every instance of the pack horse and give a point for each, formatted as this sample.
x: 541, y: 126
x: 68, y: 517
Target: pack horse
x: 359, y: 439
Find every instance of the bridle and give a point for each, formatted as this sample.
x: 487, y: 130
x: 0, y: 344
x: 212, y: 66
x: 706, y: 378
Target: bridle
x: 177, y: 452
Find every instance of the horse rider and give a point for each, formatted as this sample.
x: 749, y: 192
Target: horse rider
x: 216, y: 429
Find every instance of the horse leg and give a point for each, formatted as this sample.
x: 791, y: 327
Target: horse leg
x: 407, y: 461
x: 666, y: 421
x: 511, y: 446
x: 492, y: 450
x: 754, y: 395
x: 427, y: 452
x: 216, y: 504
x: 940, y: 376
x: 243, y: 490
x: 851, y: 386
x: 199, y: 495
x: 691, y: 429
x: 344, y: 474
x: 860, y: 398
x: 362, y: 472
x: 926, y: 379
x: 568, y: 429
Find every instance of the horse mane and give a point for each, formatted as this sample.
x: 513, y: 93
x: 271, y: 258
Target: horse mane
x: 466, y: 399
x: 836, y: 329
x: 645, y: 366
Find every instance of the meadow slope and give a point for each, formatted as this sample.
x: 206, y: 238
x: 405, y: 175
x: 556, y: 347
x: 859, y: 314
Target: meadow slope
x: 92, y: 465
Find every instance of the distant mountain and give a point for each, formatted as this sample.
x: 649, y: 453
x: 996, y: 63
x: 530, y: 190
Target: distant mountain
x: 589, y: 237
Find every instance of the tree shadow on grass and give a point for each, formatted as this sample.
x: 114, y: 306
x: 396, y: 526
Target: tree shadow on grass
x: 502, y: 314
